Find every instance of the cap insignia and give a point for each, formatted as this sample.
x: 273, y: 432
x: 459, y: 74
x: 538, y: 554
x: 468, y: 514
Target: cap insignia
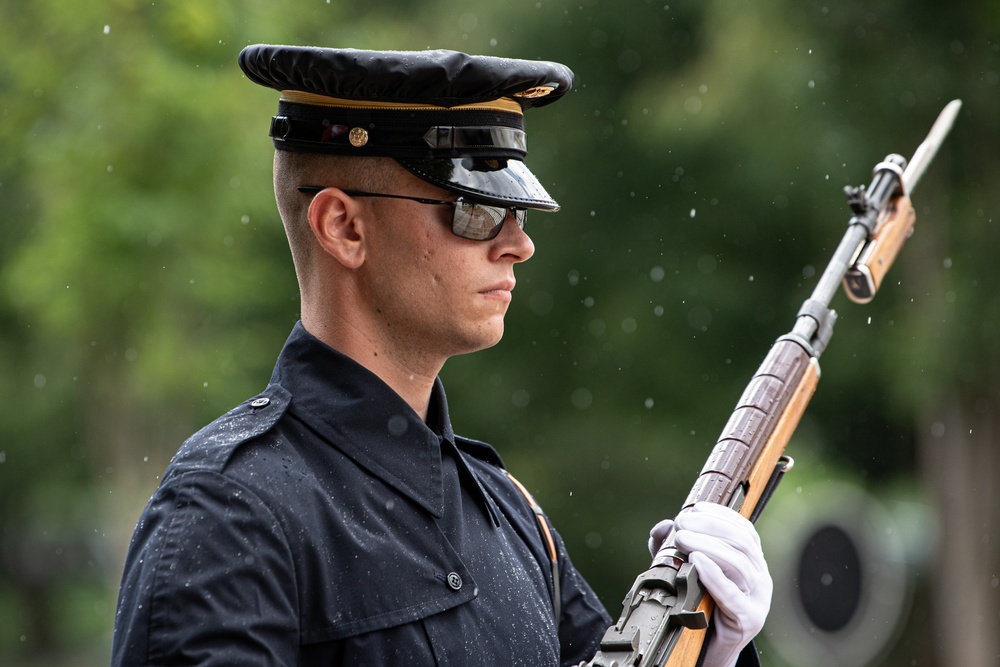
x: 358, y: 137
x: 537, y: 91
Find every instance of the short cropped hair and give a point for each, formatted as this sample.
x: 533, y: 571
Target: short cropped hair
x: 292, y: 170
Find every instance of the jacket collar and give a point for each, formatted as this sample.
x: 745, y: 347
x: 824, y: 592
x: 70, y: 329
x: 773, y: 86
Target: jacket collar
x: 360, y: 415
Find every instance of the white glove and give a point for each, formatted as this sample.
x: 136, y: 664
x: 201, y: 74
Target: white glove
x: 725, y: 550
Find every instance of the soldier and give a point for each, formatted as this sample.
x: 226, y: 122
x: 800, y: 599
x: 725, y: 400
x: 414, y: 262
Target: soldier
x: 336, y: 518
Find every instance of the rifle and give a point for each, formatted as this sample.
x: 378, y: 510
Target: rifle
x: 665, y: 616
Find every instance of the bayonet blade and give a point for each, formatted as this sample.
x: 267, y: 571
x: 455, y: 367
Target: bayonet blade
x: 926, y: 150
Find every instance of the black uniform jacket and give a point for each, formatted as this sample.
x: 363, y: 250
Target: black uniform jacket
x: 323, y: 523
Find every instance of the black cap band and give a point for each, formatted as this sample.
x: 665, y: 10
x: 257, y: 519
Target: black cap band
x: 389, y: 133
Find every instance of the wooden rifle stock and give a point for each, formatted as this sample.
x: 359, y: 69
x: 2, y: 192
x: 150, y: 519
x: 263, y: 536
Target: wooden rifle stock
x: 875, y: 257
x: 666, y: 615
x: 761, y: 476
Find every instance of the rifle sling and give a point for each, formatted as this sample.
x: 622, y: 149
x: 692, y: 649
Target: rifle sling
x: 550, y: 544
x: 783, y: 465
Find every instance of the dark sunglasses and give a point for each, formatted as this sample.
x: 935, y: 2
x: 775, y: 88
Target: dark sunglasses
x: 470, y: 220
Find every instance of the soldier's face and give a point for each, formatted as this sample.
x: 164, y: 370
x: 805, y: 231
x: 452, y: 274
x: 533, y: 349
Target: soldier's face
x: 436, y: 293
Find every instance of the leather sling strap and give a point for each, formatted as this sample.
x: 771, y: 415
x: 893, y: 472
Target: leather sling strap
x: 550, y: 543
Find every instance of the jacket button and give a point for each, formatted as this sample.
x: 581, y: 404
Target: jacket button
x: 454, y: 581
x: 261, y: 402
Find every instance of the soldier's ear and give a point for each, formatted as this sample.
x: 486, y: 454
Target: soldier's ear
x: 338, y: 225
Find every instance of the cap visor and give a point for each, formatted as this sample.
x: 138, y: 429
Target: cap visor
x: 500, y: 182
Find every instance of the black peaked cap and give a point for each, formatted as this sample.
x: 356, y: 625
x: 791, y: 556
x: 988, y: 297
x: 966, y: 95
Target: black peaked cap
x: 453, y: 119
x: 442, y: 78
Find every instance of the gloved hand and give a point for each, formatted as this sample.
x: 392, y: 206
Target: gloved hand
x: 725, y: 550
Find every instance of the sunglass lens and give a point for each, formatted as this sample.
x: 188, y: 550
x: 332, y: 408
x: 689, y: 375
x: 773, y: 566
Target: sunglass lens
x: 476, y: 221
x: 520, y: 214
x: 481, y: 222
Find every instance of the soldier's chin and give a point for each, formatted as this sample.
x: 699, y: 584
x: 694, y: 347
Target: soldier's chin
x: 486, y: 340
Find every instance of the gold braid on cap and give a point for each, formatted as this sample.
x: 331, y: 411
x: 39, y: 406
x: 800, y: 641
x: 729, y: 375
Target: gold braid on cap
x: 312, y: 99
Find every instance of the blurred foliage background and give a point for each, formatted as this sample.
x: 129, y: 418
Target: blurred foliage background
x: 146, y: 287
